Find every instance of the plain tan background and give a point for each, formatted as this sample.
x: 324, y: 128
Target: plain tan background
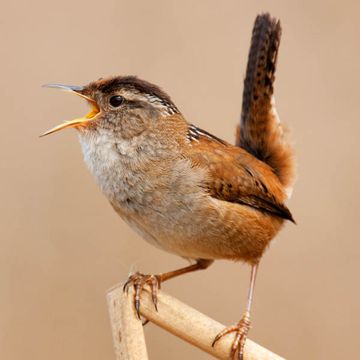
x: 62, y: 246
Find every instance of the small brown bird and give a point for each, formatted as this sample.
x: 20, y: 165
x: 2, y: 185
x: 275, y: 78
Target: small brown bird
x: 184, y: 190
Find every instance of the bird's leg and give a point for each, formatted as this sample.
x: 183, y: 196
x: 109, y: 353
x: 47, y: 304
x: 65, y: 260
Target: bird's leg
x: 139, y: 280
x: 243, y: 326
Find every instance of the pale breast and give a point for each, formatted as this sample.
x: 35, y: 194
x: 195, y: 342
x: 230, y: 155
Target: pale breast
x: 158, y: 196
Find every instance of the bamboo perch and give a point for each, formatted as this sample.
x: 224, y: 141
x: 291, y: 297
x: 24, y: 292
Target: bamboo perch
x: 175, y: 317
x: 127, y: 329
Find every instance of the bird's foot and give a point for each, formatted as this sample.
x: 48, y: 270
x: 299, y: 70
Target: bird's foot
x: 139, y: 280
x: 241, y: 329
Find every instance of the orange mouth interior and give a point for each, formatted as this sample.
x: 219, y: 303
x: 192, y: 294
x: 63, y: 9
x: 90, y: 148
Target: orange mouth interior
x: 95, y: 110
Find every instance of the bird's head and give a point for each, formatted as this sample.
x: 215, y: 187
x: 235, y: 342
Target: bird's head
x: 123, y: 104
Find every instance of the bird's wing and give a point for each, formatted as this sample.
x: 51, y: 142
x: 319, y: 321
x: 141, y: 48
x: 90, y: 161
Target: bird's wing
x: 235, y: 175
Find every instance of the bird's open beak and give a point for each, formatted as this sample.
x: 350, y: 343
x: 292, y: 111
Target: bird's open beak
x: 95, y: 110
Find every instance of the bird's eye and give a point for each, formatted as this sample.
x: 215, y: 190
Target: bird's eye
x: 116, y: 101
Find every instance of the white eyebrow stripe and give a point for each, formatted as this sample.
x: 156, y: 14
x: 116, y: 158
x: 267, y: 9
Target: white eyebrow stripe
x: 166, y: 107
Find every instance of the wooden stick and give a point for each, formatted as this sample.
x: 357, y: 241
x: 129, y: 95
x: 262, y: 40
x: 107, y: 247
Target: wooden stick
x: 127, y: 329
x: 177, y: 318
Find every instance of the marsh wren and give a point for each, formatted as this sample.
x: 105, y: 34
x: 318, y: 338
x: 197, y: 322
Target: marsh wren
x: 183, y: 189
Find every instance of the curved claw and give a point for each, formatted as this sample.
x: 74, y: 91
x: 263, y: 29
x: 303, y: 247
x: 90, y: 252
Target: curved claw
x: 241, y: 329
x: 226, y: 331
x: 145, y: 322
x: 127, y: 284
x: 139, y: 280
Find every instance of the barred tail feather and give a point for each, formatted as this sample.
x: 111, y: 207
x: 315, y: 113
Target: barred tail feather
x: 261, y: 132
